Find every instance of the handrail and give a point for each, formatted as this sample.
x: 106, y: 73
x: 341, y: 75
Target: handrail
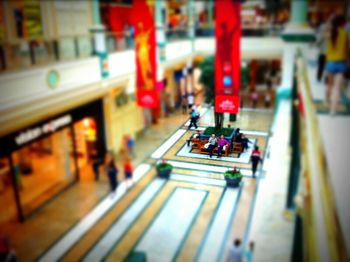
x: 322, y: 228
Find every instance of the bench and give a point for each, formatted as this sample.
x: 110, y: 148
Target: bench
x: 237, y: 148
x: 199, y: 144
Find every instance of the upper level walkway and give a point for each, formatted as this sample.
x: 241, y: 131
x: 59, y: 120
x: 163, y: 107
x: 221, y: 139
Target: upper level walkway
x: 25, y: 95
x: 335, y: 130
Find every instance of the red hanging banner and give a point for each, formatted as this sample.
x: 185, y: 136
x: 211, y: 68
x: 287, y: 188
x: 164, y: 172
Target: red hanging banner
x: 227, y: 56
x: 145, y: 52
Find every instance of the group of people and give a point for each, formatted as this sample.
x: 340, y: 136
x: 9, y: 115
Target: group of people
x: 221, y: 142
x: 334, y: 50
x: 110, y: 167
x: 236, y: 252
x: 112, y: 172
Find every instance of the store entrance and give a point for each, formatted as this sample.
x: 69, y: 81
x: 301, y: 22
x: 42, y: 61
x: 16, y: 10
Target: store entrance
x: 44, y: 168
x: 8, y: 211
x: 86, y: 142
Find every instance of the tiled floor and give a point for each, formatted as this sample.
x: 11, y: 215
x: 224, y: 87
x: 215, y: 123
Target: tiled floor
x: 193, y: 208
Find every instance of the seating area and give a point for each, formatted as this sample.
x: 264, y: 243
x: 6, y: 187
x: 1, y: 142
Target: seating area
x: 199, y: 144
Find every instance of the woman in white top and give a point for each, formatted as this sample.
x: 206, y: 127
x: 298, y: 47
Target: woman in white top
x: 212, y: 144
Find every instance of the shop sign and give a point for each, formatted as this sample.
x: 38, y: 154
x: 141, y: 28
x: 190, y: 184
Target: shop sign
x: 227, y: 56
x: 46, y: 128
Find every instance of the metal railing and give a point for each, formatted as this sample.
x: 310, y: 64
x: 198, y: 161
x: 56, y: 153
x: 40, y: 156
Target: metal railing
x: 26, y: 53
x: 322, y: 231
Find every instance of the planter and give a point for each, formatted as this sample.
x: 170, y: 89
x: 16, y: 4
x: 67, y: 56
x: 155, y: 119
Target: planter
x: 164, y: 170
x: 233, y: 178
x: 227, y: 132
x: 233, y: 182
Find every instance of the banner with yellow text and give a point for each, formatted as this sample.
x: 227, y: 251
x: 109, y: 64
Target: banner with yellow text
x: 145, y: 52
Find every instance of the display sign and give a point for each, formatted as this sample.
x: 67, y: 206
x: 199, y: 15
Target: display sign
x: 22, y: 137
x: 227, y: 56
x: 32, y: 18
x: 145, y: 49
x: 46, y: 128
x: 227, y: 104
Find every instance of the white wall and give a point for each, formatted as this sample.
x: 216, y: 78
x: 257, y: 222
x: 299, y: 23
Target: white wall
x: 121, y: 63
x: 28, y: 85
x: 252, y: 47
x: 178, y: 49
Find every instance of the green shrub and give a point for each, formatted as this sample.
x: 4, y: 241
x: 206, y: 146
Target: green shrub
x: 164, y: 166
x: 233, y: 174
x: 218, y: 131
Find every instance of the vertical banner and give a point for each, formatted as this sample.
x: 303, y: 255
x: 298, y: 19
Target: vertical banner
x: 145, y: 51
x: 227, y: 56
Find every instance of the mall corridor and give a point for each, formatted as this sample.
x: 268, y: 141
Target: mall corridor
x: 175, y: 130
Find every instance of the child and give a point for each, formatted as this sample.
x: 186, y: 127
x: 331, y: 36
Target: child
x: 128, y: 170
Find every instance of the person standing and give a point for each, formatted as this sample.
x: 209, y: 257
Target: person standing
x: 193, y: 120
x: 222, y: 142
x: 112, y: 173
x: 195, y: 135
x: 184, y: 104
x: 190, y: 100
x: 128, y: 170
x: 337, y: 54
x: 235, y: 253
x: 249, y: 253
x: 131, y: 145
x: 321, y: 43
x: 254, y: 98
x: 255, y: 158
x: 96, y: 165
x: 212, y: 144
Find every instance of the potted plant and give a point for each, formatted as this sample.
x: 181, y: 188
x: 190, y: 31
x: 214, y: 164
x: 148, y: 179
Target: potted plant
x: 233, y: 177
x: 164, y: 169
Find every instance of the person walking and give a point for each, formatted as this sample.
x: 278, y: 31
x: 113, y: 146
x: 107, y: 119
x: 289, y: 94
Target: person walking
x: 212, y: 144
x: 193, y: 120
x: 112, y: 173
x: 128, y: 170
x: 255, y: 158
x: 235, y: 253
x: 222, y: 142
x: 336, y: 55
x: 245, y: 142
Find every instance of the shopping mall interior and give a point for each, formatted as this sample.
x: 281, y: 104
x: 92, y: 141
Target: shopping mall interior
x: 174, y: 130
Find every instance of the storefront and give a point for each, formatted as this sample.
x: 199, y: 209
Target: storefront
x: 44, y: 159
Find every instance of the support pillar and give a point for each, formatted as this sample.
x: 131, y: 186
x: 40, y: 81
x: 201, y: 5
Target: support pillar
x: 99, y: 36
x: 298, y: 29
x: 160, y: 34
x: 191, y: 23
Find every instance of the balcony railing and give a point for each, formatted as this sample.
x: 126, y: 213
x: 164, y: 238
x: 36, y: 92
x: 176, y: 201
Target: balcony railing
x: 322, y: 231
x: 26, y: 53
